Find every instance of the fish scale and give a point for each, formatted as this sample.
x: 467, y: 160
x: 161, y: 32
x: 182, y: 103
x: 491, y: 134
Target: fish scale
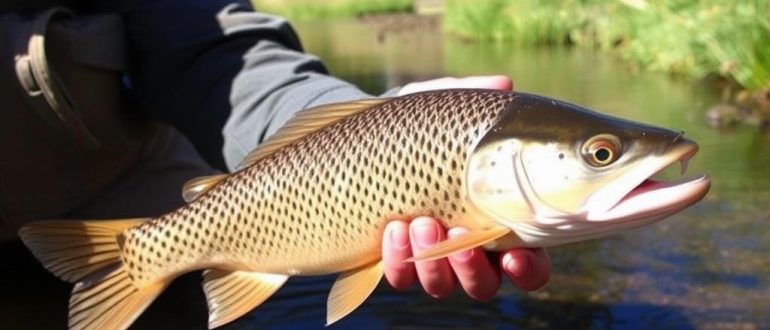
x: 516, y: 170
x: 312, y: 207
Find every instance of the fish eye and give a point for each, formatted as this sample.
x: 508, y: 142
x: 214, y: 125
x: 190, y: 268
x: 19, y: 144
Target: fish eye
x: 601, y: 150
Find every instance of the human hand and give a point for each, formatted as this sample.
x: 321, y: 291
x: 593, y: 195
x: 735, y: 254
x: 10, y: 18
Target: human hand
x: 528, y: 269
x: 488, y: 82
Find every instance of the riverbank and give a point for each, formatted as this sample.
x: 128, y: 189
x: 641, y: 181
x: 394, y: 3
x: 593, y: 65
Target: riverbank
x: 310, y: 9
x: 693, y: 38
x: 709, y: 39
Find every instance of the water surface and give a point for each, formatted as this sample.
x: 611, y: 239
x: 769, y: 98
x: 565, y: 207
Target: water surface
x: 706, y: 267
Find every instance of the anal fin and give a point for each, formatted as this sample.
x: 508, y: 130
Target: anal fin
x: 461, y: 243
x: 351, y: 289
x: 231, y: 294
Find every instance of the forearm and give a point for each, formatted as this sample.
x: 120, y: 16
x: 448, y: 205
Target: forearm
x: 275, y: 83
x: 223, y: 74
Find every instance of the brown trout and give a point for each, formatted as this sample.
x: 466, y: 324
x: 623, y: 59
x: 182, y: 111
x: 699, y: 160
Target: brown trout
x: 517, y: 170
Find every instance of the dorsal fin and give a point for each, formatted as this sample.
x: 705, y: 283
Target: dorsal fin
x: 195, y: 187
x: 305, y: 122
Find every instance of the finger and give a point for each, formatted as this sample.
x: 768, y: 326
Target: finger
x: 474, y: 271
x: 489, y: 82
x: 435, y: 275
x: 529, y: 269
x: 428, y: 85
x: 395, y: 250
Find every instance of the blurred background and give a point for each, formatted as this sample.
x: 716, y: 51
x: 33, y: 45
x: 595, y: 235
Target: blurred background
x: 698, y: 66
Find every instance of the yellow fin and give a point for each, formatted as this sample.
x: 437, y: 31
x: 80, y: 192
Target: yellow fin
x: 231, y: 294
x: 109, y: 301
x: 74, y: 249
x: 461, y: 243
x: 197, y: 186
x: 305, y: 122
x: 351, y: 289
x: 88, y: 252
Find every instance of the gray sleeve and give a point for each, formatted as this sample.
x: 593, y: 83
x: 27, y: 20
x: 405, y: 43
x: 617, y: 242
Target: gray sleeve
x: 274, y: 83
x: 224, y: 75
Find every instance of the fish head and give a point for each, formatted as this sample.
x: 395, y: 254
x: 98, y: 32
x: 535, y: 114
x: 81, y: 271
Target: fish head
x: 557, y: 173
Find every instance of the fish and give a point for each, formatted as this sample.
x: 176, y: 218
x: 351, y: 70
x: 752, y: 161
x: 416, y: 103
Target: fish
x: 515, y: 169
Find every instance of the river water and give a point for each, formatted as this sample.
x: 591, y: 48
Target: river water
x: 706, y: 267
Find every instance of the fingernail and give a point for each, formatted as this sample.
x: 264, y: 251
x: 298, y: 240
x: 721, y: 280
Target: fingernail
x: 517, y: 267
x: 398, y: 237
x: 425, y: 235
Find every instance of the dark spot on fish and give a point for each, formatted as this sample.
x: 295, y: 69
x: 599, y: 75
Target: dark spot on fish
x: 561, y: 155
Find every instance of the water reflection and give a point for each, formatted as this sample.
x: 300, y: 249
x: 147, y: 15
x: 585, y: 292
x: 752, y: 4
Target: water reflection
x: 302, y: 307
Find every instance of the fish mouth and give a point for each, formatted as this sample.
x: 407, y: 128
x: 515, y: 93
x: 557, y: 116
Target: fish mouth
x: 639, y: 196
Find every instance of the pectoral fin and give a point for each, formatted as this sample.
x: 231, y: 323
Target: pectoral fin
x: 231, y: 294
x: 351, y: 289
x: 461, y: 243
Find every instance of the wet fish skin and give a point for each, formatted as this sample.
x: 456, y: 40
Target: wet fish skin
x: 319, y: 205
x: 314, y: 200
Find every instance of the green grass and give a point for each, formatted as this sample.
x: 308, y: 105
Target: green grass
x: 310, y: 9
x: 688, y: 37
x: 523, y: 21
x: 694, y: 38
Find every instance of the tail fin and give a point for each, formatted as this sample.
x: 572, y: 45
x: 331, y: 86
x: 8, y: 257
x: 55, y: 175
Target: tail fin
x: 88, y: 253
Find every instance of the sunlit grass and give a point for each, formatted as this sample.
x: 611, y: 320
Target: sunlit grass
x: 520, y: 21
x: 314, y: 9
x: 694, y: 38
x: 689, y: 37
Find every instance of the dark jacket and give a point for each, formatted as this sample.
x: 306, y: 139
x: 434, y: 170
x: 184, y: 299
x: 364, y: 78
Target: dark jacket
x: 221, y: 73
